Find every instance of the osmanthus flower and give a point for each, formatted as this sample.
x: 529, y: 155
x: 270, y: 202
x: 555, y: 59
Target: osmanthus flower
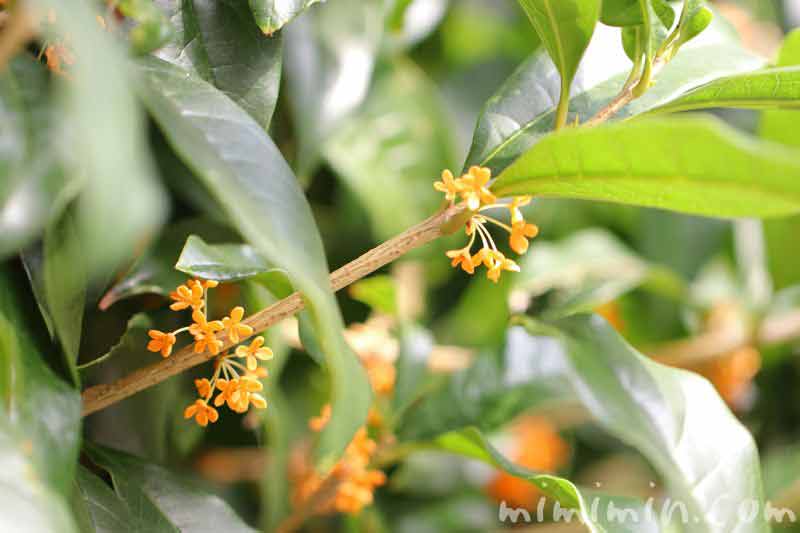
x: 201, y: 412
x: 238, y: 385
x: 472, y: 187
x: 189, y: 295
x: 205, y: 333
x: 161, y: 342
x: 233, y: 326
x: 356, y: 481
x: 253, y: 353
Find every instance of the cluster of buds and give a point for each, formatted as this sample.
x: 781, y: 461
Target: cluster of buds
x: 236, y: 383
x: 355, y: 481
x: 472, y: 189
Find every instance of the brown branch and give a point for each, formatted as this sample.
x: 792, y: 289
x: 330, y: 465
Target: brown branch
x: 101, y: 396
x: 625, y: 97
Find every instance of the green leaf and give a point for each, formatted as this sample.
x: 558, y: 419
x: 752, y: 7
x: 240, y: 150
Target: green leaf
x: 39, y: 422
x: 780, y: 125
x: 219, y: 41
x: 709, y: 168
x: 154, y: 272
x: 629, y: 13
x: 486, y: 395
x: 565, y: 28
x: 32, y: 184
x: 151, y: 30
x: 220, y: 262
x: 392, y: 146
x: 378, y: 291
x: 661, y: 411
x: 330, y: 56
x: 247, y: 175
x: 588, y: 269
x: 98, y: 509
x: 63, y: 281
x: 163, y: 501
x: 594, y: 509
x: 272, y: 15
x: 512, y: 121
x: 772, y: 87
x: 109, y: 158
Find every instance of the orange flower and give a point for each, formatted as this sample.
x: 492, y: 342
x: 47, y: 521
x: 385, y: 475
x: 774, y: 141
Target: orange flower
x: 187, y: 296
x: 500, y: 263
x: 233, y: 326
x: 56, y: 54
x: 521, y: 231
x: 203, y: 387
x: 239, y: 393
x: 448, y: 185
x: 203, y: 283
x: 202, y: 413
x: 537, y: 446
x: 318, y: 422
x: 473, y: 187
x: 356, y: 482
x: 254, y: 352
x: 516, y: 203
x: 161, y: 342
x: 381, y: 373
x: 461, y: 257
x: 204, y: 333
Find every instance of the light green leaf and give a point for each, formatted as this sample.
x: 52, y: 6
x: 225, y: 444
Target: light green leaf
x: 393, y: 146
x: 565, y: 28
x: 772, y: 87
x: 708, y: 168
x: 247, y: 175
x: 780, y: 125
x: 593, y: 509
x: 661, y: 411
x: 513, y: 121
x: 39, y: 424
x: 163, y: 501
x: 151, y: 29
x: 219, y: 41
x: 220, y: 262
x: 121, y: 203
x: 272, y: 15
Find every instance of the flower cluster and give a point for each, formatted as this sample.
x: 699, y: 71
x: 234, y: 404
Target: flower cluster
x: 356, y: 482
x: 472, y: 189
x: 237, y: 385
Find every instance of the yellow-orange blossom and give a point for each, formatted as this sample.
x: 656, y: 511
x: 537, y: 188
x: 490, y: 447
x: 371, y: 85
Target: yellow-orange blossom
x: 472, y: 188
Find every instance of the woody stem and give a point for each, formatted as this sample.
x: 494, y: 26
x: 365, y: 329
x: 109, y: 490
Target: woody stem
x: 101, y: 396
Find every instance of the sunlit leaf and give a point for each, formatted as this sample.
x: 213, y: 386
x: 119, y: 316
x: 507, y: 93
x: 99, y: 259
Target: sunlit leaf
x: 772, y: 87
x: 709, y: 168
x: 221, y: 262
x: 513, y: 121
